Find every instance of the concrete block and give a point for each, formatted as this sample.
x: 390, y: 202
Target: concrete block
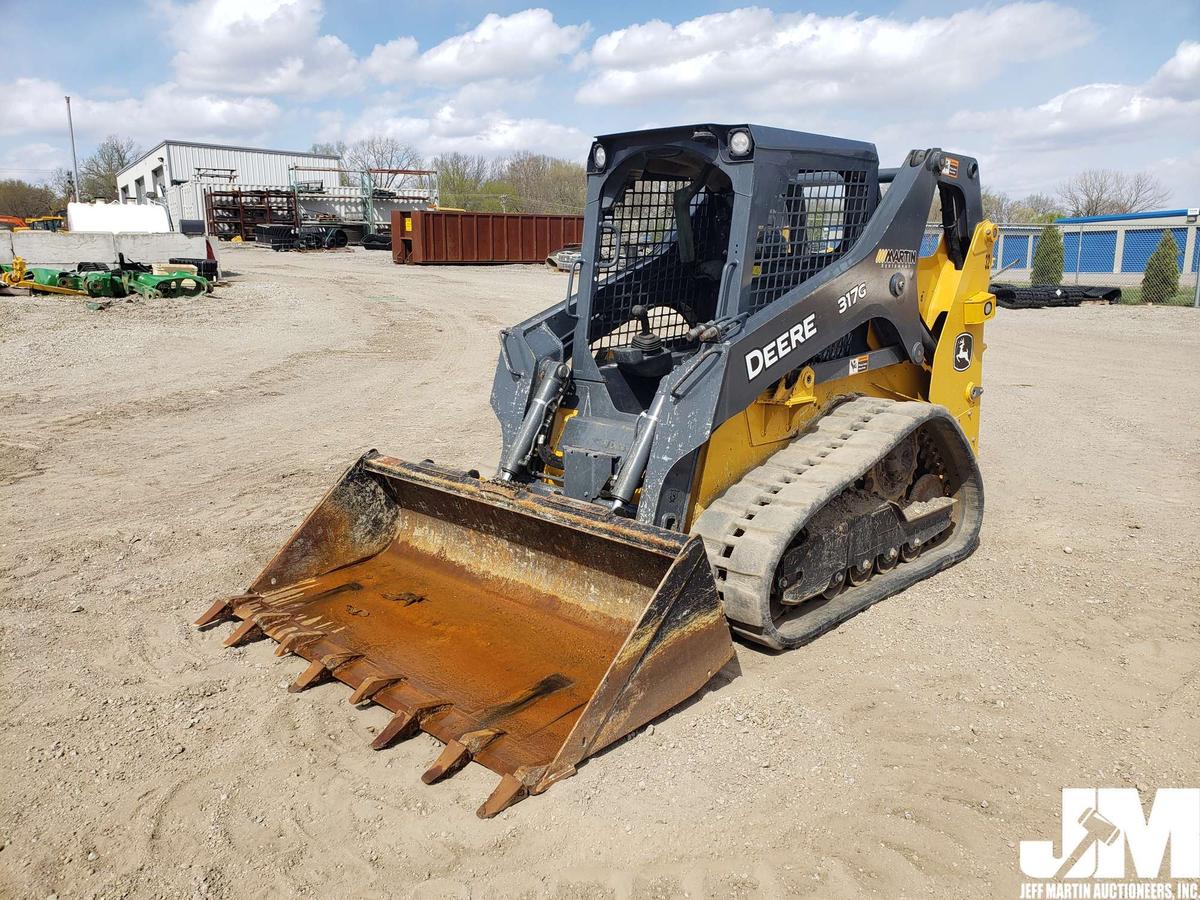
x: 63, y: 250
x: 145, y: 247
x: 6, y: 253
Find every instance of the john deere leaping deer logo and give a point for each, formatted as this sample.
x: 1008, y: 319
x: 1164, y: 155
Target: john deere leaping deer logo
x: 964, y: 348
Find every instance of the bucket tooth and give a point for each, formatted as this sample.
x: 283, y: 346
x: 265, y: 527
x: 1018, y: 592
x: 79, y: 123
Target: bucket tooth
x: 405, y: 724
x: 372, y: 685
x: 315, y: 673
x: 458, y: 753
x: 507, y: 792
x: 512, y: 788
x: 245, y: 633
x: 223, y: 609
x: 454, y: 757
x: 402, y: 726
x: 320, y: 670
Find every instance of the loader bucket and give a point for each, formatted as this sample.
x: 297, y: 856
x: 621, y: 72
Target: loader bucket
x: 524, y: 631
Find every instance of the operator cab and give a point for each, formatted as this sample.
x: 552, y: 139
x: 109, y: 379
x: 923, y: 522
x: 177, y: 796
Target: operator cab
x: 664, y: 226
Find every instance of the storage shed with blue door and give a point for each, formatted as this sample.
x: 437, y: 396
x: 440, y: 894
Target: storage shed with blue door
x: 1123, y: 243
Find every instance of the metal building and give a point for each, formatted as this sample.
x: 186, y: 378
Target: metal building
x: 1108, y: 250
x: 177, y: 171
x: 180, y: 174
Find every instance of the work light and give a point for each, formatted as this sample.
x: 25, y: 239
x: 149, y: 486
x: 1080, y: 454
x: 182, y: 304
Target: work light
x: 740, y: 143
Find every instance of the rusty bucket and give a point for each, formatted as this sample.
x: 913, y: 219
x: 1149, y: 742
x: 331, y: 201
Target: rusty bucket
x: 524, y: 631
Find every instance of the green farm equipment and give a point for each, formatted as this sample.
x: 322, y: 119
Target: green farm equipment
x: 97, y: 280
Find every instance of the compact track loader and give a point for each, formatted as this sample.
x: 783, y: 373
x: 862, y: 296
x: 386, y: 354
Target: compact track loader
x: 756, y: 411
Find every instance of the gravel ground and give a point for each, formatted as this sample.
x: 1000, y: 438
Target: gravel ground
x: 152, y: 457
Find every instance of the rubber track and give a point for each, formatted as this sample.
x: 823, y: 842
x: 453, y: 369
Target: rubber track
x: 1039, y: 296
x: 747, y: 530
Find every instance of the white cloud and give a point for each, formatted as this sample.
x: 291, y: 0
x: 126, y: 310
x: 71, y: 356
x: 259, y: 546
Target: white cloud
x: 34, y: 161
x: 506, y: 47
x: 392, y: 62
x: 790, y: 60
x: 450, y: 128
x: 27, y: 102
x: 499, y: 86
x: 497, y: 93
x: 277, y: 47
x: 161, y: 111
x: 259, y: 47
x: 1179, y: 76
x: 1169, y: 101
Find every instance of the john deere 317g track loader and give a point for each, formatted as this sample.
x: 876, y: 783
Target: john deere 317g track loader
x: 756, y: 410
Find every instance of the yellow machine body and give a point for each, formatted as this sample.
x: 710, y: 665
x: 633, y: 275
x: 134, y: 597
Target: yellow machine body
x: 957, y: 298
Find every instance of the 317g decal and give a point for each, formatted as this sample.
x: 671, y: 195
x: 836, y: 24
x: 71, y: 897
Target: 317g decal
x: 852, y: 296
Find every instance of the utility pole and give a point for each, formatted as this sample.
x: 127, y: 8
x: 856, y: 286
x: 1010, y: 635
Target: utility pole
x: 74, y: 158
x: 1078, y: 253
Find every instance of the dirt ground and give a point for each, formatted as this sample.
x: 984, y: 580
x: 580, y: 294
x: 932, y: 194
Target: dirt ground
x: 153, y: 456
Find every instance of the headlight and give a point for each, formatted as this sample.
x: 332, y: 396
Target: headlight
x: 740, y: 143
x: 599, y: 157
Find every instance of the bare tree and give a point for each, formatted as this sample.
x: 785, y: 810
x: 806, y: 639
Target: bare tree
x: 62, y: 182
x: 380, y: 151
x: 1144, y: 192
x: 1101, y: 192
x: 338, y: 149
x: 98, y: 174
x: 998, y: 207
x: 1001, y: 208
x: 1037, y: 208
x: 330, y: 148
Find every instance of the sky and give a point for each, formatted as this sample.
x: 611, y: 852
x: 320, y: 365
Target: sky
x: 1036, y: 90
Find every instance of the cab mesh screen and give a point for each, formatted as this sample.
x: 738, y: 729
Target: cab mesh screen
x: 640, y: 263
x: 818, y: 217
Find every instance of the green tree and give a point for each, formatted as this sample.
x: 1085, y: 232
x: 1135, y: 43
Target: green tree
x: 545, y: 184
x: 1048, y: 258
x: 525, y: 182
x: 1161, y: 280
x: 20, y: 198
x: 470, y: 182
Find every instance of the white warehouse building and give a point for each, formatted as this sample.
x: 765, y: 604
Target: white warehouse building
x: 176, y: 171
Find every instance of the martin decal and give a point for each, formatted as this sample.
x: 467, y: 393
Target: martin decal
x: 896, y: 259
